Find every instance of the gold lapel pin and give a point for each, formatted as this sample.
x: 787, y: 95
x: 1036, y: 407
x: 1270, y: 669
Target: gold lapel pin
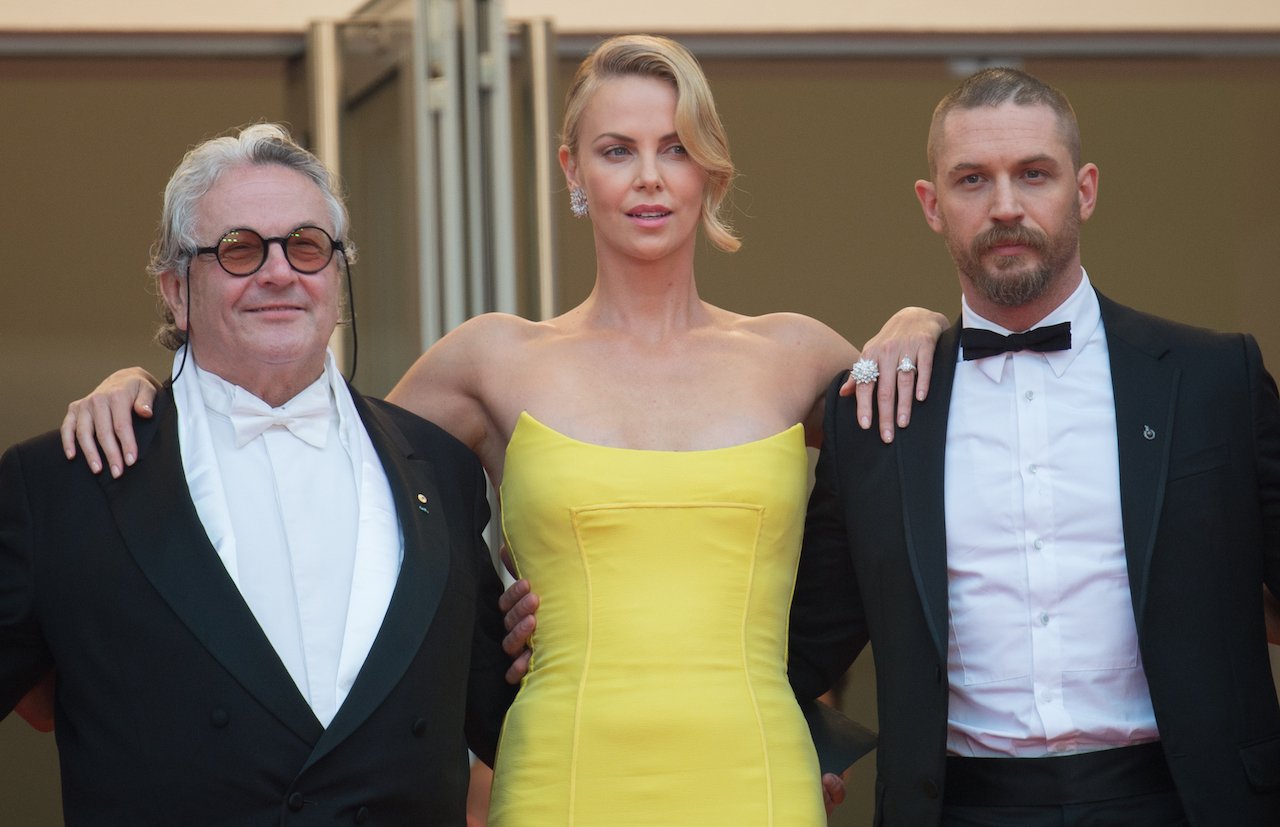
x: 422, y: 503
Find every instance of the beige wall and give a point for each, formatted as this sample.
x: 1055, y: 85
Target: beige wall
x: 900, y: 15
x: 681, y: 15
x: 168, y: 16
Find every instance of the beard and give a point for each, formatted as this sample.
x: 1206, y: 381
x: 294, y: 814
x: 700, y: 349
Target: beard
x: 1012, y: 281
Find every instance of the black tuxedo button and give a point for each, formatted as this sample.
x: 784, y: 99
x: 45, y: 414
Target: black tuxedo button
x: 420, y: 728
x: 219, y: 718
x: 294, y: 802
x: 362, y: 815
x: 930, y: 788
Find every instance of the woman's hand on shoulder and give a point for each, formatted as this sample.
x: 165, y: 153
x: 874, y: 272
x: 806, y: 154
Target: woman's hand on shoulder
x: 902, y: 353
x: 103, y: 420
x: 911, y: 332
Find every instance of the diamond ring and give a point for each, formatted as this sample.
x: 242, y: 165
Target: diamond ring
x: 864, y: 372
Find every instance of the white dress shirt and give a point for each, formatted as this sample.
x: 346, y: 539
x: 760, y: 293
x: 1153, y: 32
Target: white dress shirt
x: 308, y: 532
x: 1043, y: 648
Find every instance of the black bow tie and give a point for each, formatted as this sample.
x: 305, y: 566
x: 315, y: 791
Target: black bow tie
x: 979, y: 344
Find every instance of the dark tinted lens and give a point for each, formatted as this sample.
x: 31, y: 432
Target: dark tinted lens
x: 308, y: 249
x: 240, y: 251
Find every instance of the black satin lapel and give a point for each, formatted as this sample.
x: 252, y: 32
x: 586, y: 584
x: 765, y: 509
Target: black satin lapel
x: 160, y: 526
x: 423, y: 574
x: 1145, y: 389
x: 921, y: 451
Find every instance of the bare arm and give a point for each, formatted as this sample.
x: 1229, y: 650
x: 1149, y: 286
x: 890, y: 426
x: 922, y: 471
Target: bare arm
x: 446, y: 385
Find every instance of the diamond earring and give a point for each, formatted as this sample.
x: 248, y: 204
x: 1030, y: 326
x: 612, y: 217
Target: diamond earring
x: 578, y: 202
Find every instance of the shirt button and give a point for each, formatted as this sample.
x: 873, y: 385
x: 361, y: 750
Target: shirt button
x: 1032, y: 468
x: 1038, y: 544
x: 1044, y: 618
x: 1030, y: 395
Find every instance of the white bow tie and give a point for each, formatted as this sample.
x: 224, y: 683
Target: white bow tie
x: 308, y: 420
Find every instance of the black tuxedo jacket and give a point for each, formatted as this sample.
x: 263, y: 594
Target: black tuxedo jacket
x: 172, y: 706
x: 1199, y: 452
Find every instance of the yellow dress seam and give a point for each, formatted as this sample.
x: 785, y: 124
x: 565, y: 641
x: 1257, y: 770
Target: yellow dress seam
x: 586, y: 669
x: 746, y: 669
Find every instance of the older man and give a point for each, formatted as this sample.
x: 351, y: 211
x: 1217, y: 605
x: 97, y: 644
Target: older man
x: 286, y: 612
x: 1060, y: 565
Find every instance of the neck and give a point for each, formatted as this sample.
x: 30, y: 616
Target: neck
x: 274, y: 384
x: 651, y: 298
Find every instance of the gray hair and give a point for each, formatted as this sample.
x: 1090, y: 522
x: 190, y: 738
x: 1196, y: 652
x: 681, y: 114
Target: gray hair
x: 257, y: 144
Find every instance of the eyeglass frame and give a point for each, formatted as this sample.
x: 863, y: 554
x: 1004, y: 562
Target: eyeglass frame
x: 334, y: 246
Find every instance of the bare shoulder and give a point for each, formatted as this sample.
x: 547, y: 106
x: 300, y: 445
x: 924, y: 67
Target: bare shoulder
x: 452, y: 383
x: 796, y: 330
x: 799, y: 349
x: 473, y: 345
x: 797, y: 356
x: 491, y: 330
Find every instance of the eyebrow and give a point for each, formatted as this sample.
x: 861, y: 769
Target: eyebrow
x: 618, y: 136
x: 1042, y: 158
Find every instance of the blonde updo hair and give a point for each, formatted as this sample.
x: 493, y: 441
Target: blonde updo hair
x: 697, y: 122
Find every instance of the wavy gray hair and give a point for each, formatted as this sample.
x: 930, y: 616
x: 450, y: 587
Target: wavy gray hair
x: 257, y: 144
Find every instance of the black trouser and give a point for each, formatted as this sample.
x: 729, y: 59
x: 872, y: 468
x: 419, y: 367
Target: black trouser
x: 1122, y: 787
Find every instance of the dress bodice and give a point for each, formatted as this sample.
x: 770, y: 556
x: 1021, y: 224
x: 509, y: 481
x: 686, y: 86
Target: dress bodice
x: 658, y: 672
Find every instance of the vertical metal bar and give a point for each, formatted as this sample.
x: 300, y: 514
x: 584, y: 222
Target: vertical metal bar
x: 429, y: 311
x: 540, y: 51
x: 496, y: 76
x: 474, y: 166
x: 441, y: 35
x: 323, y: 73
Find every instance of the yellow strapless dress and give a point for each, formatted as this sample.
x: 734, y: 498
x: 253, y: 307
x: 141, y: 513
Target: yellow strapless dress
x: 657, y: 692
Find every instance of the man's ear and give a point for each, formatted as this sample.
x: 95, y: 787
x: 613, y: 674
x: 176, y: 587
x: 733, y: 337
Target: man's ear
x: 927, y: 195
x: 174, y: 293
x: 1087, y: 187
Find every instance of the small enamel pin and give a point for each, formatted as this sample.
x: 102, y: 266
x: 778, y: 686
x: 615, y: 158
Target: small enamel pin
x: 422, y: 503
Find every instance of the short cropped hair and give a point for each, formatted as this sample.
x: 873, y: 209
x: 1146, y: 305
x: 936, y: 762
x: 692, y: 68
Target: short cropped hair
x: 995, y: 86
